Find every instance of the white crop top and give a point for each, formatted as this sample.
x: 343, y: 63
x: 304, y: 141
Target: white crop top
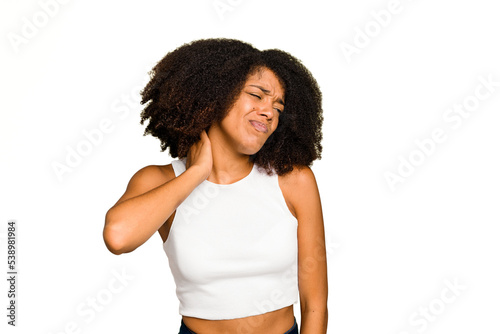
x: 232, y: 248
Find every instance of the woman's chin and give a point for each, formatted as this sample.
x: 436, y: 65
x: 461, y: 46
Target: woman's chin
x: 251, y: 149
x: 249, y: 152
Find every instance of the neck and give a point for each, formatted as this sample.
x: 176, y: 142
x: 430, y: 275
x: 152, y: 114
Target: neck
x: 228, y: 165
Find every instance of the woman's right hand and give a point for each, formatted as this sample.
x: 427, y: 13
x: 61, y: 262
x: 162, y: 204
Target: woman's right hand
x: 151, y: 198
x: 200, y: 156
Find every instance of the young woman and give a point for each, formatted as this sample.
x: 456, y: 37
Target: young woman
x: 238, y: 211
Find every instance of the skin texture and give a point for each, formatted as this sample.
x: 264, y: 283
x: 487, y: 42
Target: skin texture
x: 222, y: 156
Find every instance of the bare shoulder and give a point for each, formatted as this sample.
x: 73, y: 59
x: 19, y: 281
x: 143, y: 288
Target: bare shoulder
x: 298, y: 184
x: 300, y: 177
x: 147, y: 178
x: 154, y: 173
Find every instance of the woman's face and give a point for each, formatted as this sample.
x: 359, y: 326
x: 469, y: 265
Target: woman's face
x: 255, y: 114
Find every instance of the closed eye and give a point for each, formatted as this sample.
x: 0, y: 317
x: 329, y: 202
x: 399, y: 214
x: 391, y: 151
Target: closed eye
x: 257, y: 96
x: 260, y: 98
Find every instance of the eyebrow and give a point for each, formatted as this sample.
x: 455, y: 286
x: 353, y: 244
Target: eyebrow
x: 280, y: 101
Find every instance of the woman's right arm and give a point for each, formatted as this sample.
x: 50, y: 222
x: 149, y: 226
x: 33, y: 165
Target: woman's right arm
x: 142, y: 209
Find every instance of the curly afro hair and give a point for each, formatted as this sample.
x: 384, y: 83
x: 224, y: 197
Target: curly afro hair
x: 196, y: 85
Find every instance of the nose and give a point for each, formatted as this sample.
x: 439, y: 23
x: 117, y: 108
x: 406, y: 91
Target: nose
x: 265, y: 109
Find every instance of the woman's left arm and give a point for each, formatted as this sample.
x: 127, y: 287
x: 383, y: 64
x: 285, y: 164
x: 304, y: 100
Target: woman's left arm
x: 301, y: 192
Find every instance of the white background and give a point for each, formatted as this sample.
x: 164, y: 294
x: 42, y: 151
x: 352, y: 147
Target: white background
x: 390, y: 251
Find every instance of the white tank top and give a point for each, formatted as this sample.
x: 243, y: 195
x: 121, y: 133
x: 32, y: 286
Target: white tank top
x: 232, y: 248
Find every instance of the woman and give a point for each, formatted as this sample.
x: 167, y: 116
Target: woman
x: 239, y: 211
